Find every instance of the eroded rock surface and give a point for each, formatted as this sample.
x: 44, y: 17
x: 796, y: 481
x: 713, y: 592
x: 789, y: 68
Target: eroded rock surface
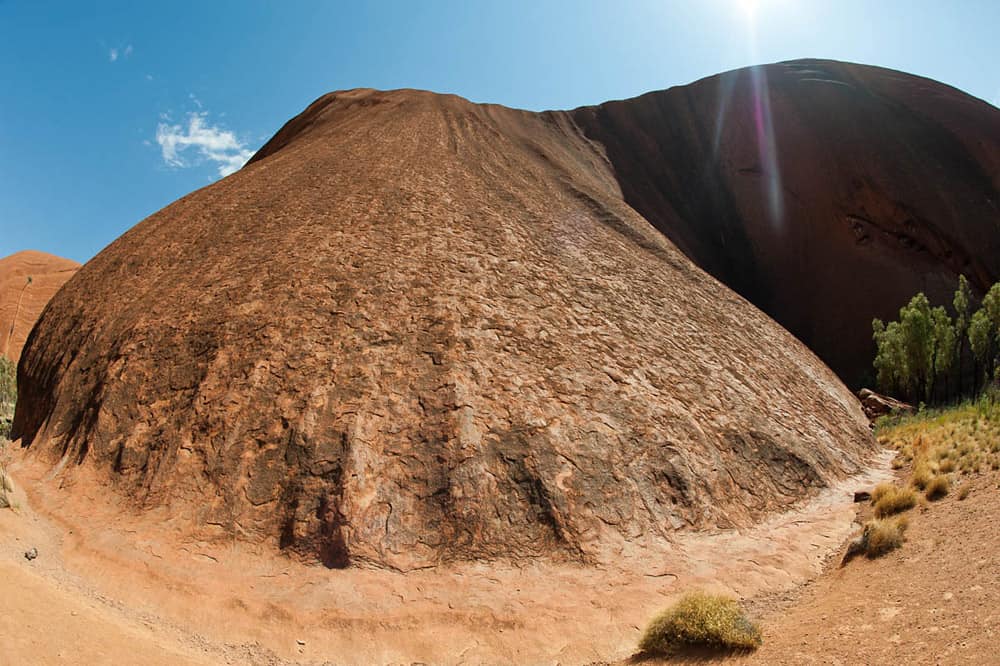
x: 826, y: 193
x: 415, y: 329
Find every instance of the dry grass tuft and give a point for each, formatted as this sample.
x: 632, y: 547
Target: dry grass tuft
x: 937, y: 488
x: 883, y: 536
x: 964, y: 491
x: 889, y: 499
x: 5, y: 487
x: 922, y: 474
x: 700, y: 620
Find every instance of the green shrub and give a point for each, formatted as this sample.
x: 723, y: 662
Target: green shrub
x: 700, y: 620
x: 8, y: 394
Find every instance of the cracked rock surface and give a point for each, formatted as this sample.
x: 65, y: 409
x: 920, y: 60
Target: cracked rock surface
x: 416, y: 330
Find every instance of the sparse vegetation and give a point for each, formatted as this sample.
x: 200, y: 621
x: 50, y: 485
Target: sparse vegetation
x: 889, y: 499
x: 700, y: 620
x: 8, y: 395
x: 882, y: 536
x: 937, y: 488
x: 962, y: 439
x: 5, y: 488
x: 922, y: 475
x: 936, y: 446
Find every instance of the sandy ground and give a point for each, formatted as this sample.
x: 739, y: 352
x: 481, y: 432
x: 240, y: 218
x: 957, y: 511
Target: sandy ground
x: 139, y: 591
x: 934, y: 601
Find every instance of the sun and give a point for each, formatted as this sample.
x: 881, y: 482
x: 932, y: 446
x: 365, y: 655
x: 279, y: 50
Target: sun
x: 748, y: 7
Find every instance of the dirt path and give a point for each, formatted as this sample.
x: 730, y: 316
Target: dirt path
x: 136, y: 589
x: 935, y: 601
x: 42, y: 623
x: 46, y: 618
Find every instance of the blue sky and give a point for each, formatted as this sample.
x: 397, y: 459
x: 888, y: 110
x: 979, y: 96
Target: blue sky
x: 110, y: 111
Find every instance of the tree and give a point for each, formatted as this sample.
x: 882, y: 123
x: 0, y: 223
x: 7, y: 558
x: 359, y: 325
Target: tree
x: 917, y: 328
x: 981, y: 340
x: 891, y: 371
x: 991, y: 306
x: 8, y: 390
x: 944, y: 345
x: 962, y: 303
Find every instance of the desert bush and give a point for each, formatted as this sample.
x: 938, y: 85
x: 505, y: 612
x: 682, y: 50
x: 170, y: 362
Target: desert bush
x: 881, y: 536
x: 946, y: 465
x: 700, y: 620
x: 5, y: 488
x: 889, y: 499
x: 937, y: 488
x: 964, y: 491
x: 922, y: 474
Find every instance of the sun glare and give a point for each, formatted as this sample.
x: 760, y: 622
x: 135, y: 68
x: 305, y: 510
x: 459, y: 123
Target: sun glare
x: 748, y: 7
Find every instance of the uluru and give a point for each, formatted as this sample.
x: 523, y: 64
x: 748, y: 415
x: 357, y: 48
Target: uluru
x: 826, y: 193
x: 28, y: 279
x: 394, y: 376
x: 415, y: 329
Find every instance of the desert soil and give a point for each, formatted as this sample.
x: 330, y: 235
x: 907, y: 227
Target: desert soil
x: 111, y: 588
x: 934, y: 601
x: 127, y: 593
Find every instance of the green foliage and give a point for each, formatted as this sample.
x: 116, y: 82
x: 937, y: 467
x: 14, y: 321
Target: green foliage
x: 917, y: 356
x: 963, y: 306
x: 943, y: 352
x: 980, y: 336
x: 700, y: 620
x: 917, y: 351
x: 8, y: 394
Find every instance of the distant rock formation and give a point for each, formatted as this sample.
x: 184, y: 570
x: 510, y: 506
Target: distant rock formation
x: 28, y: 280
x: 826, y: 193
x: 415, y: 329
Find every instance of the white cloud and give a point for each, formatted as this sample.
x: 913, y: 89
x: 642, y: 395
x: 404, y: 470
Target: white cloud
x: 204, y: 141
x: 115, y: 53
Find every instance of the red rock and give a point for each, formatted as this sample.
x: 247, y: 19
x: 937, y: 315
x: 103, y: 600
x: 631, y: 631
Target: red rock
x: 416, y: 329
x: 20, y: 301
x: 884, y: 184
x: 876, y: 405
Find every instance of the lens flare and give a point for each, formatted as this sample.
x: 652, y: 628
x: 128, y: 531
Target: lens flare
x: 767, y: 148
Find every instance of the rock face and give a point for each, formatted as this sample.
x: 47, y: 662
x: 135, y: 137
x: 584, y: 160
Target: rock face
x: 415, y: 329
x: 21, y: 301
x: 825, y: 193
x: 875, y: 405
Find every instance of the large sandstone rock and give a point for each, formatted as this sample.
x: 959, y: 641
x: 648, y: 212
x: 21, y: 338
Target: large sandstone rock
x: 21, y: 300
x: 825, y: 193
x: 415, y: 329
